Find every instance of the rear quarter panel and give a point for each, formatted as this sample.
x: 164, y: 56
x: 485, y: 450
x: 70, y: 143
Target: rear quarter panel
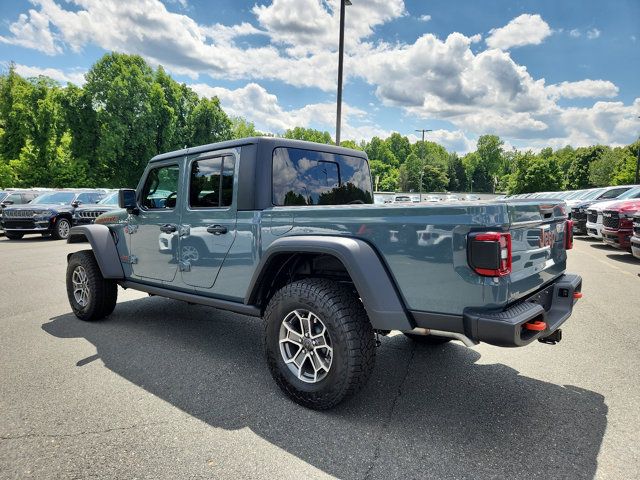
x: 422, y: 246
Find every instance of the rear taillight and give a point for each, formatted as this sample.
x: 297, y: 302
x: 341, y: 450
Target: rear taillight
x: 490, y: 253
x: 568, y: 235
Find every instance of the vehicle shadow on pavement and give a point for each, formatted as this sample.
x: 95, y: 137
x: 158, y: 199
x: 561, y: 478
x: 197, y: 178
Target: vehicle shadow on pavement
x: 624, y: 258
x: 427, y: 412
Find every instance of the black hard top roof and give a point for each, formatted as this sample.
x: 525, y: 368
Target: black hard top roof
x: 266, y: 142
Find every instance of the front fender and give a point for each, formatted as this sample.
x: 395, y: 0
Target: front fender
x: 103, y: 246
x: 370, y: 277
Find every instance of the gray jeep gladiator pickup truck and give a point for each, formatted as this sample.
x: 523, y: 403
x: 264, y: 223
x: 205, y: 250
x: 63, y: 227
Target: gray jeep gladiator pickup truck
x: 287, y: 231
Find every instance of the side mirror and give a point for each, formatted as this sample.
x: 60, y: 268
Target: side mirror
x: 127, y: 199
x: 75, y: 204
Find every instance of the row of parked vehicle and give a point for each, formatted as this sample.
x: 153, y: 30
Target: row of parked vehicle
x: 609, y: 214
x: 382, y: 198
x: 50, y: 212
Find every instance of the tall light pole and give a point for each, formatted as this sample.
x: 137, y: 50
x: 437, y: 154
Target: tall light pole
x: 423, y: 130
x: 343, y: 3
x: 638, y: 162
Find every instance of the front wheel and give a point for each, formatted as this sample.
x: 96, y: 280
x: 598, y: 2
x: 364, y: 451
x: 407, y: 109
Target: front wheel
x: 61, y: 229
x: 91, y: 296
x: 319, y: 343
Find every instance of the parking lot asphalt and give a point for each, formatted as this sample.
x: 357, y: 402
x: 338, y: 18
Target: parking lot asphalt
x: 163, y: 389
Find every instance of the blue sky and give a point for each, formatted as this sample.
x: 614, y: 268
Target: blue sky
x: 536, y: 73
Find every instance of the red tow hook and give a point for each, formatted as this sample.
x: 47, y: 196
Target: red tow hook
x: 577, y: 295
x: 535, y: 325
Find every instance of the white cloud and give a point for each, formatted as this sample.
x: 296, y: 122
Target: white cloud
x: 32, y: 31
x: 454, y: 141
x: 257, y: 105
x: 593, y: 33
x: 75, y: 76
x: 583, y: 89
x: 424, y: 18
x: 431, y: 78
x: 525, y: 29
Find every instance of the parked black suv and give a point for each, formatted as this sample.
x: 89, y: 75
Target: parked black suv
x: 49, y: 214
x: 87, y: 214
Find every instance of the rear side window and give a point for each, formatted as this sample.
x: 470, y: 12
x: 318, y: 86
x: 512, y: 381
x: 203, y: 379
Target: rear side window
x: 306, y: 177
x: 160, y: 189
x: 211, y: 183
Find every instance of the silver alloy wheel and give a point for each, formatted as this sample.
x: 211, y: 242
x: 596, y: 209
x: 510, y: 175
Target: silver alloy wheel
x: 190, y: 253
x: 305, y: 345
x: 80, y: 282
x: 63, y: 228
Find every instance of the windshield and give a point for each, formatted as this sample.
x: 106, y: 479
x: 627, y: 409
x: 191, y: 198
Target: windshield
x: 575, y: 194
x: 57, y: 198
x: 110, y: 200
x: 631, y: 193
x: 592, y: 194
x: 613, y: 193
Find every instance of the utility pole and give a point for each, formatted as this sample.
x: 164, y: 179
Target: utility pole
x: 343, y: 3
x: 423, y: 130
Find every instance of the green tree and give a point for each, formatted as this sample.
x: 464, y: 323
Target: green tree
x: 309, y: 134
x: 457, y: 174
x: 410, y: 174
x: 378, y: 149
x: 241, y: 128
x: 399, y: 146
x: 434, y: 178
x: 14, y: 113
x: 535, y: 173
x: 625, y: 172
x: 578, y: 171
x: 603, y: 168
x: 120, y: 87
x: 490, y: 161
x: 431, y: 153
x: 208, y: 123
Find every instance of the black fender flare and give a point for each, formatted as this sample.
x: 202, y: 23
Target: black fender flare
x: 103, y: 246
x: 373, y: 282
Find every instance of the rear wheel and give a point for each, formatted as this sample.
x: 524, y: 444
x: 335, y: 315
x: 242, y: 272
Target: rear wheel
x: 61, y: 229
x: 90, y: 295
x: 319, y: 343
x: 13, y: 235
x: 427, y: 339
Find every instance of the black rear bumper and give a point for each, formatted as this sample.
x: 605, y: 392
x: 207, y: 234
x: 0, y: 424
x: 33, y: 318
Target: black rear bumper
x: 552, y: 305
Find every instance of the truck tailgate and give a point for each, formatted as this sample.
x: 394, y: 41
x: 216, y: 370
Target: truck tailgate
x: 538, y: 244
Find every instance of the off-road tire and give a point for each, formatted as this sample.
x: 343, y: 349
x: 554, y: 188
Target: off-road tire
x: 427, y: 339
x: 59, y: 232
x: 103, y: 293
x: 351, y: 334
x: 13, y: 235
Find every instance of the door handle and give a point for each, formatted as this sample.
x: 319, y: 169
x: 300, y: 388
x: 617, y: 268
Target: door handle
x: 217, y: 229
x: 168, y: 228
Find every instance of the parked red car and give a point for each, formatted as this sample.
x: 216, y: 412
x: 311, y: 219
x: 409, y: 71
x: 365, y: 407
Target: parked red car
x: 617, y: 221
